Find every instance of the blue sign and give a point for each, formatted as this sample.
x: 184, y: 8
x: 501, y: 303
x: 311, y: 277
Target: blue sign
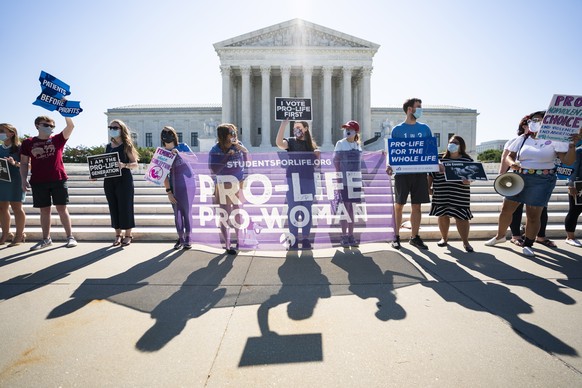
x: 52, y: 96
x: 413, y: 155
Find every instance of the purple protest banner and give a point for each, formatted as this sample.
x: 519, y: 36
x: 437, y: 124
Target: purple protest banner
x: 283, y: 195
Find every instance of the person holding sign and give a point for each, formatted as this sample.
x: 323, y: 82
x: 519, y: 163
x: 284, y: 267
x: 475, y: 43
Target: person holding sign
x: 119, y: 191
x: 48, y: 178
x: 534, y: 160
x: 301, y: 191
x: 575, y: 198
x: 11, y: 194
x: 415, y: 184
x: 226, y: 161
x: 347, y: 160
x: 180, y: 186
x: 515, y: 226
x: 452, y: 198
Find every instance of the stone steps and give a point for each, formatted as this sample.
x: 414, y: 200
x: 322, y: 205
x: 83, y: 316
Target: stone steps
x: 155, y: 220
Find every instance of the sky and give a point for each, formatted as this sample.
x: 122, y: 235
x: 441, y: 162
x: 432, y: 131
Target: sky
x: 503, y: 58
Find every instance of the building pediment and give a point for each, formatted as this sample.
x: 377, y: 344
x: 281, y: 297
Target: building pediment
x: 296, y: 33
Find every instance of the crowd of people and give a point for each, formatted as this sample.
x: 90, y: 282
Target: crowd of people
x: 36, y: 164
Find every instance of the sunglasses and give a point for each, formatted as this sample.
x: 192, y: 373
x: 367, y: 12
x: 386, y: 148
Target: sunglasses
x: 46, y: 125
x: 232, y: 133
x: 114, y: 127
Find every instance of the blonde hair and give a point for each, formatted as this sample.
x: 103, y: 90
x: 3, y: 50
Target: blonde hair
x: 16, y: 139
x: 128, y: 146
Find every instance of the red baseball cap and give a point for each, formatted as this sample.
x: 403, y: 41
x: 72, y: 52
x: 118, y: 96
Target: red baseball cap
x: 352, y: 125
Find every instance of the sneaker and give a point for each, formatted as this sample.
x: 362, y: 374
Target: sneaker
x: 71, y: 242
x: 396, y: 243
x: 293, y: 247
x: 231, y: 251
x: 42, y: 244
x: 306, y: 244
x: 528, y: 251
x: 178, y: 245
x: 573, y: 242
x: 352, y: 241
x: 187, y: 246
x: 494, y: 241
x: 417, y: 242
x: 344, y: 241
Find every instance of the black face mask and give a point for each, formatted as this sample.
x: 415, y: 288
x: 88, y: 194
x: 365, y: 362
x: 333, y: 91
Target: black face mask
x: 167, y: 138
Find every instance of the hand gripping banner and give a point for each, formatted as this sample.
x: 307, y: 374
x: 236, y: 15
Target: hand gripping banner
x: 269, y: 201
x: 52, y: 96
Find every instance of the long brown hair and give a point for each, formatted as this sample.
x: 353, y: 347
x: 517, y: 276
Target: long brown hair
x: 125, y: 134
x: 223, y: 135
x: 15, y: 139
x: 311, y: 144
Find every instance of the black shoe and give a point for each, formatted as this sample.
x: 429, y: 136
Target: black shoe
x: 293, y: 247
x: 231, y: 251
x: 396, y: 243
x: 178, y: 245
x: 417, y: 242
x: 305, y: 244
x: 468, y: 248
x: 442, y: 243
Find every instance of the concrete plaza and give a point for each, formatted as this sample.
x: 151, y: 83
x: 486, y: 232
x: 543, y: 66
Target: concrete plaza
x: 146, y: 315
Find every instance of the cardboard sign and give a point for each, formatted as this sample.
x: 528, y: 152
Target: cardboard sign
x: 160, y: 165
x: 578, y: 198
x: 460, y: 171
x: 413, y: 155
x: 4, y: 171
x: 104, y: 165
x: 52, y: 96
x: 563, y: 118
x: 298, y: 109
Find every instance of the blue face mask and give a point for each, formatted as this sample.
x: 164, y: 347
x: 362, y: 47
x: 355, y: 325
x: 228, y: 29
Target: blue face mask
x: 114, y: 133
x: 417, y: 113
x: 452, y: 147
x: 46, y: 130
x: 3, y: 136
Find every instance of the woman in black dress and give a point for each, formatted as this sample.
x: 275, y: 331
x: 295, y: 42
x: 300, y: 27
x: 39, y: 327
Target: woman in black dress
x: 119, y: 191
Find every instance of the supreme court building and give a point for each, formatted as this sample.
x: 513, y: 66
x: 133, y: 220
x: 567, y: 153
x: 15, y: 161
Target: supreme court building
x: 292, y: 59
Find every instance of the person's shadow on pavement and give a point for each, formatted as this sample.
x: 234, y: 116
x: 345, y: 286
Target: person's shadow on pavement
x: 303, y: 284
x: 368, y: 281
x: 472, y: 293
x: 197, y: 295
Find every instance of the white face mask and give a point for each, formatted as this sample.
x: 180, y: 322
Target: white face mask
x: 3, y: 136
x: 452, y: 147
x: 349, y: 133
x: 534, y: 126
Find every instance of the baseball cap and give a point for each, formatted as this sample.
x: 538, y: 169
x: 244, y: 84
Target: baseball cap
x: 352, y: 125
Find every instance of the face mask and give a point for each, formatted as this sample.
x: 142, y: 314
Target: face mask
x: 298, y: 132
x: 3, y: 136
x: 46, y: 130
x: 534, y: 126
x: 452, y: 147
x: 348, y: 133
x: 418, y: 113
x: 167, y: 138
x: 114, y: 132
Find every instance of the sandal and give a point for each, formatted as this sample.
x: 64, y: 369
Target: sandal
x: 18, y: 240
x: 126, y: 241
x: 517, y: 241
x: 117, y: 241
x: 5, y: 238
x: 442, y: 243
x: 547, y: 242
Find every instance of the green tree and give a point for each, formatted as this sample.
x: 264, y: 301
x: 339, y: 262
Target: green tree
x: 145, y: 154
x: 490, y: 156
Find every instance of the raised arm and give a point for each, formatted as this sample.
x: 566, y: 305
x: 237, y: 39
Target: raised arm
x: 69, y: 128
x: 281, y: 142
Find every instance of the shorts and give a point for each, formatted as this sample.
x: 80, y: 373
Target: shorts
x: 414, y: 184
x: 537, y: 189
x: 43, y: 192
